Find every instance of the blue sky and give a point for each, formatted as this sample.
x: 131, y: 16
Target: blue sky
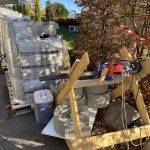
x: 69, y: 4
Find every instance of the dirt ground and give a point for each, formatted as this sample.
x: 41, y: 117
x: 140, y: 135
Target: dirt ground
x: 22, y: 132
x: 25, y: 134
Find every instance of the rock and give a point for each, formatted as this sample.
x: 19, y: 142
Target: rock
x: 113, y: 115
x: 98, y: 101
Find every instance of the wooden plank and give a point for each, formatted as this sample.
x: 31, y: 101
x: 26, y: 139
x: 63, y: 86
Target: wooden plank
x: 66, y: 59
x: 74, y: 75
x: 77, y: 145
x: 74, y: 66
x: 15, y: 107
x: 113, y: 138
x: 86, y: 83
x: 140, y: 102
x: 103, y: 75
x: 94, y: 82
x: 118, y: 91
x: 125, y: 54
x: 74, y: 112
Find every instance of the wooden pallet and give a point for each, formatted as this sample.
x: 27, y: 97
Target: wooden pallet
x: 9, y: 83
x: 113, y: 138
x: 19, y: 109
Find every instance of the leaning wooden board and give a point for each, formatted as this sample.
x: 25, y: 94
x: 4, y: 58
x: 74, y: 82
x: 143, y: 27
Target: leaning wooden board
x: 77, y: 71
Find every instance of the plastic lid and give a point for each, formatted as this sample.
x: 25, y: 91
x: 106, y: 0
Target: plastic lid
x: 43, y: 96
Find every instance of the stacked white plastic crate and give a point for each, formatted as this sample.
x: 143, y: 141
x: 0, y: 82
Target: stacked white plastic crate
x: 34, y: 59
x: 29, y: 57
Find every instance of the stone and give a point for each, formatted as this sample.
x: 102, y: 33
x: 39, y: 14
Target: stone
x: 113, y: 115
x: 98, y: 101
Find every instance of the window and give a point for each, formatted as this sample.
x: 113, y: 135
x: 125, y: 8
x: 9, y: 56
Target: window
x: 73, y: 28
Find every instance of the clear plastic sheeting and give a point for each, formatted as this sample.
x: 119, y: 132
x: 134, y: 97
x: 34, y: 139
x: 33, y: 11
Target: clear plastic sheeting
x: 35, y: 73
x: 27, y: 29
x: 10, y: 14
x: 44, y: 28
x: 32, y: 85
x: 23, y: 29
x: 29, y: 98
x: 34, y: 60
x: 56, y: 42
x: 52, y: 44
x: 30, y: 55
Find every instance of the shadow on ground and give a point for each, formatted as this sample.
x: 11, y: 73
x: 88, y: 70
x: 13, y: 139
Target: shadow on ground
x: 25, y: 134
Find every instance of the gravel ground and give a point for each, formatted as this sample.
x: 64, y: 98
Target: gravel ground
x: 25, y: 134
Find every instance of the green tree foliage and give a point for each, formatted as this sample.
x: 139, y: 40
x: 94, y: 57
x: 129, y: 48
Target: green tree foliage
x: 60, y: 11
x: 37, y: 11
x: 56, y: 11
x: 24, y: 12
x: 28, y: 10
x: 49, y: 11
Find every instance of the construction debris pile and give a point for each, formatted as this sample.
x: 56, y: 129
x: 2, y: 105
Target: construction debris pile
x: 87, y: 106
x: 29, y: 53
x: 34, y: 50
x: 114, y: 114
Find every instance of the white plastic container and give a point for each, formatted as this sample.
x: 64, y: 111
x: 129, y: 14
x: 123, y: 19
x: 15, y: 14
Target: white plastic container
x: 44, y: 106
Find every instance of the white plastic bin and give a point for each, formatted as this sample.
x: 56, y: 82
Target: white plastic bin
x: 44, y: 106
